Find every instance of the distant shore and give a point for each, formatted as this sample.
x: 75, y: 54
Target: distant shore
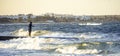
x: 55, y: 18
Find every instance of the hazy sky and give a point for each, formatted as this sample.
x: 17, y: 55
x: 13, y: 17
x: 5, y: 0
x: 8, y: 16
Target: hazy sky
x: 77, y: 7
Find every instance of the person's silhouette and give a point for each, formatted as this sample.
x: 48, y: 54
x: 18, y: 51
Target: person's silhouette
x: 30, y: 28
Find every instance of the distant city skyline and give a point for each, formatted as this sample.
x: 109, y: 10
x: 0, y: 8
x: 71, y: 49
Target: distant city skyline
x: 75, y: 7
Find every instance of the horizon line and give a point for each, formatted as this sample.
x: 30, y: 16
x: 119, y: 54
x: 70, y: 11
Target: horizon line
x: 59, y: 14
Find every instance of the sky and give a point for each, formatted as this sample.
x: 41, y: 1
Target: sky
x: 76, y: 7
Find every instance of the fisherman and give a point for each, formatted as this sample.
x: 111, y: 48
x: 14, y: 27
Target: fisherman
x: 30, y: 28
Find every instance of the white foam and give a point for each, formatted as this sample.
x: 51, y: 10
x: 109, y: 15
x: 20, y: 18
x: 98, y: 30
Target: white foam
x: 74, y: 50
x: 89, y: 35
x: 22, y: 32
x: 44, y: 44
x: 44, y: 33
x: 92, y: 35
x: 90, y: 23
x: 30, y: 43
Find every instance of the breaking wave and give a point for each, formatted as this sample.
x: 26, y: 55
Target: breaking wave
x: 46, y: 45
x: 90, y: 23
x: 63, y: 39
x: 88, y: 35
x: 59, y: 42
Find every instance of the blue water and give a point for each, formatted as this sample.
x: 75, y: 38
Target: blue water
x: 66, y: 39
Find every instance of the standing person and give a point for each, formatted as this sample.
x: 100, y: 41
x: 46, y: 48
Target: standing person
x: 30, y: 29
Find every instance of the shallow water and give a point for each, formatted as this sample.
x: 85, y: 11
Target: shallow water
x: 61, y: 39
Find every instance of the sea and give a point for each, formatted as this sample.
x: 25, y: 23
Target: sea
x: 61, y: 39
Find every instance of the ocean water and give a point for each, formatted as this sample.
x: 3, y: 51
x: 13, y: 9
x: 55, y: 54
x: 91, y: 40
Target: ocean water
x: 61, y: 39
